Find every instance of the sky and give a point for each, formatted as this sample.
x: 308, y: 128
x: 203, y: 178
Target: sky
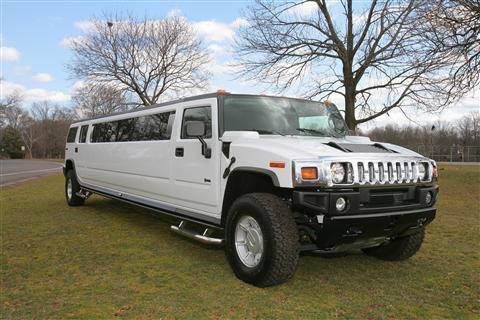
x: 35, y: 35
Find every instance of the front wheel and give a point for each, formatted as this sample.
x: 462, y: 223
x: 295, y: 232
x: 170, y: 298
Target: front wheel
x: 261, y: 240
x: 398, y: 249
x: 72, y: 188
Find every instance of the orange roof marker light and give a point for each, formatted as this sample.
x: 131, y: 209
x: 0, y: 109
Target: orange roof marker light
x: 222, y: 91
x: 277, y: 164
x: 327, y: 101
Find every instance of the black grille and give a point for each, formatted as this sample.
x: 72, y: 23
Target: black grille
x: 389, y: 198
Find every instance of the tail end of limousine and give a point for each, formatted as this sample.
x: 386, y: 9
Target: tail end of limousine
x: 266, y: 177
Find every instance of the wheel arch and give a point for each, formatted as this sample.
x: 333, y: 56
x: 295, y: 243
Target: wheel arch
x: 243, y: 180
x: 69, y: 165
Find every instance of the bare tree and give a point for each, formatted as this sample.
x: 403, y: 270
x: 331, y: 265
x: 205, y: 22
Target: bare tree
x: 51, y: 125
x: 30, y: 133
x: 469, y: 129
x: 95, y: 99
x: 371, y: 55
x: 145, y: 57
x: 10, y: 110
x: 452, y: 27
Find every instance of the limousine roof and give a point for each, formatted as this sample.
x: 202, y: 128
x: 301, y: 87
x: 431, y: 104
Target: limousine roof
x: 192, y: 98
x: 163, y: 104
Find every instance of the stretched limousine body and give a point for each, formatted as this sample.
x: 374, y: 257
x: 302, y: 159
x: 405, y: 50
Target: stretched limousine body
x: 274, y: 175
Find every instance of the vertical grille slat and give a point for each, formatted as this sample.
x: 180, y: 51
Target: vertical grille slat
x: 398, y: 169
x: 406, y: 178
x: 381, y: 172
x: 414, y: 172
x: 376, y: 173
x: 371, y: 173
x: 386, y: 178
x: 391, y: 172
x: 356, y: 178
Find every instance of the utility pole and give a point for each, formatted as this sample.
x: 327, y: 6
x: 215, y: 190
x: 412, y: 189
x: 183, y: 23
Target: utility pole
x: 431, y: 140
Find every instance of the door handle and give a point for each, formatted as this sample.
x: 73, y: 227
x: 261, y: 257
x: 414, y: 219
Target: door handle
x: 178, y: 152
x: 76, y: 149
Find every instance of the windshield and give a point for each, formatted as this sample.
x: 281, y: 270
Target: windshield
x: 270, y: 115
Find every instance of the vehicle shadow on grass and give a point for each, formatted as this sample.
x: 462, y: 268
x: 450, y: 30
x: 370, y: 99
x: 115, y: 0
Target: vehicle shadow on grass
x: 153, y: 223
x: 321, y: 267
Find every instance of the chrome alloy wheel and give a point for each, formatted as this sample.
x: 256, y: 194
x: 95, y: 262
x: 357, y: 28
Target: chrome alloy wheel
x: 69, y: 189
x: 249, y: 241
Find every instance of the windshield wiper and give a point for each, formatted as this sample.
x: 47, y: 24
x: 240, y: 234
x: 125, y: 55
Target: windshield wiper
x: 314, y: 131
x: 265, y: 131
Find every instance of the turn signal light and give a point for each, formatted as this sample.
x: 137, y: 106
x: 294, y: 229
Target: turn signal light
x: 309, y: 173
x: 435, y: 172
x: 278, y: 164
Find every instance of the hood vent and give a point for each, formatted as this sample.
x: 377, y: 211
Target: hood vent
x: 363, y: 148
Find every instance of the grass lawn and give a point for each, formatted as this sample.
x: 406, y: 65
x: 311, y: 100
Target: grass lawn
x: 108, y: 259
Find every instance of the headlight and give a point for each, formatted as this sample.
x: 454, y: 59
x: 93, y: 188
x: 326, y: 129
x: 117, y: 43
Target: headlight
x: 337, y: 171
x: 422, y: 171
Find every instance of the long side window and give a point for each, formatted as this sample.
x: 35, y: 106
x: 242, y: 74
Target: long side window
x: 203, y: 114
x: 72, y: 133
x: 145, y: 128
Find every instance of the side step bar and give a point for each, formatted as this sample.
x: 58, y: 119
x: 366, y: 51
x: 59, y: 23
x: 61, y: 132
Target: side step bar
x: 204, y: 238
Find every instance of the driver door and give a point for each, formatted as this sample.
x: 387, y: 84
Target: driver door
x: 195, y: 177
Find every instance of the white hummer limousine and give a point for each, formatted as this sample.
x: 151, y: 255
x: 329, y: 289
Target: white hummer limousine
x: 268, y: 177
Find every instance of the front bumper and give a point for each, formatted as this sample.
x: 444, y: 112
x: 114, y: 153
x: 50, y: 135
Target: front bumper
x: 370, y: 214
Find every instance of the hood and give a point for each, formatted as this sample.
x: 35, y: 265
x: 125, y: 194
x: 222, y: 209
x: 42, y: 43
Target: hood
x: 305, y: 147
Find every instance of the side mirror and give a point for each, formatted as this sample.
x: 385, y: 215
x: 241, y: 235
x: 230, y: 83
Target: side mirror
x: 195, y: 129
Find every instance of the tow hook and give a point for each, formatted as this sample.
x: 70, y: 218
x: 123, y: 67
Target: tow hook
x: 420, y: 222
x: 354, y: 231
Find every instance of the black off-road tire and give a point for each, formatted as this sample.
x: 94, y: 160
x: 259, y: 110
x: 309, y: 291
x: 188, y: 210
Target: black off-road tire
x: 280, y: 239
x: 74, y: 200
x: 398, y: 249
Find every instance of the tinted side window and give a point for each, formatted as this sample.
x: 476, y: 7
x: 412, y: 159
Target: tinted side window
x: 104, y: 132
x: 153, y: 127
x: 140, y: 129
x: 159, y: 126
x: 72, y: 133
x: 125, y: 129
x: 83, y: 134
x: 198, y: 114
x: 146, y: 128
x: 97, y: 133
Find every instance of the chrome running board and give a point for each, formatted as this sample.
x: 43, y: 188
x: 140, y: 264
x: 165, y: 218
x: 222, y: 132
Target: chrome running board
x: 203, y: 238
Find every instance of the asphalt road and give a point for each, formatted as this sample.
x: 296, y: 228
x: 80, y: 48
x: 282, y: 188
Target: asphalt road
x: 15, y: 171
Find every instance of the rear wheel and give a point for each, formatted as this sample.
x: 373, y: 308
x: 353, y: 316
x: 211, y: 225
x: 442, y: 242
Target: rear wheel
x: 72, y: 187
x: 261, y: 240
x: 398, y: 249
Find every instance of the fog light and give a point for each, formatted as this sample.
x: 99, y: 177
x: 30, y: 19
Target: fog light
x: 341, y: 204
x: 428, y: 198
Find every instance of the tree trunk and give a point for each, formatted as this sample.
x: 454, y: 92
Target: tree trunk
x: 350, y: 89
x: 29, y: 153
